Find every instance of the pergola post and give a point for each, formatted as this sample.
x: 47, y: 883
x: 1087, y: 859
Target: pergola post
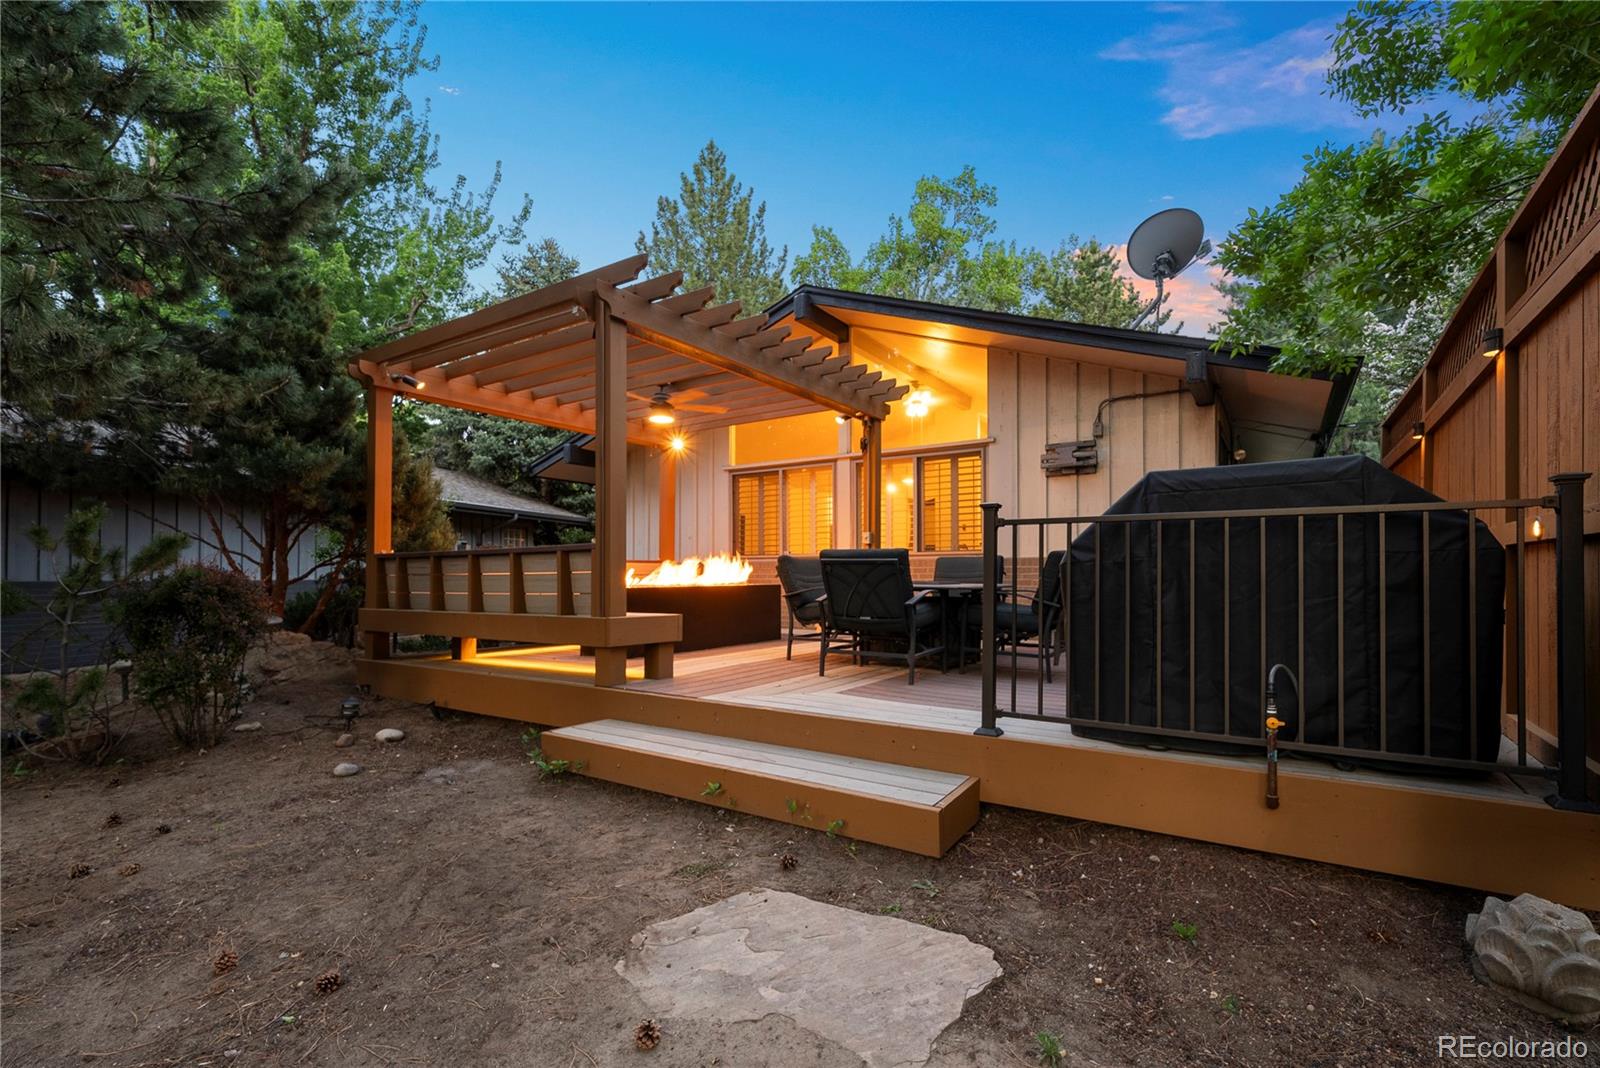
x: 380, y: 508
x: 871, y: 524
x: 667, y: 493
x: 608, y: 590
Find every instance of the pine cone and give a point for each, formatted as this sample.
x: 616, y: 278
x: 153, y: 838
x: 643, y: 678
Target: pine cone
x: 647, y: 1036
x: 329, y: 981
x: 225, y: 962
x: 113, y: 820
x: 163, y: 828
x: 787, y: 862
x: 128, y: 869
x: 78, y: 871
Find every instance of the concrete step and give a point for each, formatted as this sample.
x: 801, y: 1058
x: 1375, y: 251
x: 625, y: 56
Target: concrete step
x: 915, y: 809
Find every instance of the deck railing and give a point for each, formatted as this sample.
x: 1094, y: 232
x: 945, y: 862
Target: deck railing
x: 548, y: 580
x: 1147, y: 634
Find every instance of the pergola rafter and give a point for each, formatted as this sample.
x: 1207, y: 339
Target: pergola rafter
x: 591, y: 354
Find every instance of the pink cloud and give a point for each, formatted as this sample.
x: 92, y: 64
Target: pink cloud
x: 1192, y: 297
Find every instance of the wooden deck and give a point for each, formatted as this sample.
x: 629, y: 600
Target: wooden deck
x: 1493, y: 833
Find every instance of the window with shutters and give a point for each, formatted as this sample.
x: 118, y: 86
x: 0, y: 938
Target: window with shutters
x: 788, y: 510
x: 755, y: 514
x: 808, y: 509
x: 931, y: 503
x: 951, y: 491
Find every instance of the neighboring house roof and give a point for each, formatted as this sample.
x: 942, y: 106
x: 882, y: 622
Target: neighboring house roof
x: 570, y: 461
x: 462, y: 492
x: 1257, y: 400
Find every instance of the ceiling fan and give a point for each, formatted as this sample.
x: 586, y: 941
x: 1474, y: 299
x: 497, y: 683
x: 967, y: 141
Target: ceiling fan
x: 666, y: 402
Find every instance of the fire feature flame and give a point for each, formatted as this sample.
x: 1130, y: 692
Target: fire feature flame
x: 718, y: 570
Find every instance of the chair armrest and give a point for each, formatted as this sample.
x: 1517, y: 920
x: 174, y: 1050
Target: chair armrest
x: 791, y: 595
x: 920, y: 595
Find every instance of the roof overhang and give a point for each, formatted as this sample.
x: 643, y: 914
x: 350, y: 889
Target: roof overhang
x: 1280, y: 416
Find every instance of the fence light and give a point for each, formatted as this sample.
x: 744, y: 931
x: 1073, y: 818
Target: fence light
x: 1418, y: 429
x: 1538, y: 528
x: 1494, y: 342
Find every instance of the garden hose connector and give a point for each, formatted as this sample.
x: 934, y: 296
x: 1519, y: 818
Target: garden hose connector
x: 1274, y: 723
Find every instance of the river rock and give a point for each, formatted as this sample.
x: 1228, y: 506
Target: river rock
x: 253, y: 725
x: 343, y: 770
x: 391, y: 734
x: 1544, y: 955
x: 344, y: 741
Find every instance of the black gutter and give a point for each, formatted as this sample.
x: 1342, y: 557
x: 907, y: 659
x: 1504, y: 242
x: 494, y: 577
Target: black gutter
x: 1142, y: 342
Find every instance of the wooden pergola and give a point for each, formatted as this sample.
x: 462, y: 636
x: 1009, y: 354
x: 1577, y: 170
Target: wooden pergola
x: 592, y: 354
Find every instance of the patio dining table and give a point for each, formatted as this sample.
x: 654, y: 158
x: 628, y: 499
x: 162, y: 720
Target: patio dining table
x: 954, y: 600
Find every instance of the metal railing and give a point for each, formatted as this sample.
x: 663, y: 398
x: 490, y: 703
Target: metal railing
x: 1146, y: 623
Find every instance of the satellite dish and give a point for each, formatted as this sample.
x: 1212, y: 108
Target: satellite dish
x: 1162, y: 246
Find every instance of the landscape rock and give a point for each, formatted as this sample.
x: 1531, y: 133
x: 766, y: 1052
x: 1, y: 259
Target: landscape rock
x: 882, y: 987
x: 344, y: 741
x: 343, y: 770
x: 1544, y: 955
x: 253, y: 725
x: 391, y: 734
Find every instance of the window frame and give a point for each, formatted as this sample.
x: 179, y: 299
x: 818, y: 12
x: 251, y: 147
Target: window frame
x: 954, y: 452
x: 783, y: 471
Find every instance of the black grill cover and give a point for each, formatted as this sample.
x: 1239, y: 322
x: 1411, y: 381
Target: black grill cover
x: 1229, y: 668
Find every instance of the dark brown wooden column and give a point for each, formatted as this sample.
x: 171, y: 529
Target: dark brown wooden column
x: 609, y: 594
x: 871, y: 524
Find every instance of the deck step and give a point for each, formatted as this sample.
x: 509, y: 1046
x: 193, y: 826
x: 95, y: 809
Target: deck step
x: 915, y: 809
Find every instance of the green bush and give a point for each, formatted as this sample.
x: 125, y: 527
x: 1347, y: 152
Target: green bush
x: 189, y: 632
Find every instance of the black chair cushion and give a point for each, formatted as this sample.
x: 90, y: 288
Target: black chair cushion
x: 1025, y: 619
x: 802, y: 586
x: 966, y: 569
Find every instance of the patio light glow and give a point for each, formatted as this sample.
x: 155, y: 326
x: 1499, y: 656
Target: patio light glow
x: 677, y: 443
x: 1494, y: 342
x: 917, y: 401
x: 1417, y: 430
x: 1538, y: 528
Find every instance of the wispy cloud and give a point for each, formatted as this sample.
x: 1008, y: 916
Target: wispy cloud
x: 450, y: 90
x: 1216, y: 83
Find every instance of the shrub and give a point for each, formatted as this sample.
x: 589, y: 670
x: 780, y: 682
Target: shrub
x: 189, y: 632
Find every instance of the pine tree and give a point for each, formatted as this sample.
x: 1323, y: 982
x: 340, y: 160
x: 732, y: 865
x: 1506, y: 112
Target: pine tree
x: 541, y: 263
x: 716, y: 234
x: 421, y: 522
x: 1080, y: 282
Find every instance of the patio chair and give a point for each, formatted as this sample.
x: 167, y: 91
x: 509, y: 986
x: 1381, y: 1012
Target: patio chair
x: 801, y: 577
x: 868, y: 596
x: 968, y: 569
x: 1032, y: 626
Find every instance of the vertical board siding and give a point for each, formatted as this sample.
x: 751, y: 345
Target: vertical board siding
x: 1035, y: 400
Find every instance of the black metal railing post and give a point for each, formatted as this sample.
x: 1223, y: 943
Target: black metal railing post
x: 991, y: 598
x: 1571, y: 645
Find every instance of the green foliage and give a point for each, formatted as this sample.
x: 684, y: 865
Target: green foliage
x: 834, y: 827
x: 189, y: 633
x: 421, y: 521
x: 941, y: 250
x: 926, y: 886
x: 713, y: 788
x: 1079, y: 283
x: 716, y: 234
x: 548, y: 768
x: 1232, y: 1004
x: 65, y: 704
x: 1048, y: 1047
x: 1186, y: 931
x: 891, y: 910
x: 1380, y: 235
x: 542, y: 263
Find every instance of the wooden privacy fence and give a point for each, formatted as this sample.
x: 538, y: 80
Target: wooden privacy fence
x: 1511, y: 397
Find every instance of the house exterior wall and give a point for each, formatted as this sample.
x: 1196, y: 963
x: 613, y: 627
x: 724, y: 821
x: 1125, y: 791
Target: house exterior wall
x: 1031, y: 400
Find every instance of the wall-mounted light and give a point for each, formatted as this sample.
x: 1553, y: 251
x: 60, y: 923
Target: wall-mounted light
x: 841, y: 420
x: 409, y: 380
x: 1239, y: 456
x: 1418, y: 430
x: 1494, y: 342
x: 677, y: 443
x: 1537, y: 528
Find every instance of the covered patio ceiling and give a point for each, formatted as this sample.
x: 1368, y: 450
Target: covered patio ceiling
x: 533, y: 358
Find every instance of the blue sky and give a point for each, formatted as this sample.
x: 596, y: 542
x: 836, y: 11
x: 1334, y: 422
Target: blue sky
x: 1087, y: 117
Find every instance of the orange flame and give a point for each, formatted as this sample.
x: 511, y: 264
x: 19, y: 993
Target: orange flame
x: 718, y: 570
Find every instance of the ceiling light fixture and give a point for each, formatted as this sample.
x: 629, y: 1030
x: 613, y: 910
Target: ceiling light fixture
x: 661, y: 411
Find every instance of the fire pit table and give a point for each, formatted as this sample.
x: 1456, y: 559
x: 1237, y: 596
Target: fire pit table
x: 718, y: 603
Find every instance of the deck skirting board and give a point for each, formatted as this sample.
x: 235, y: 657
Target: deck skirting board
x: 1474, y: 835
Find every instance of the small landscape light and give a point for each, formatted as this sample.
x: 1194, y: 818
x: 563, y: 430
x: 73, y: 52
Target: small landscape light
x: 349, y: 709
x: 409, y: 380
x: 1239, y: 456
x: 1417, y: 430
x: 1494, y: 342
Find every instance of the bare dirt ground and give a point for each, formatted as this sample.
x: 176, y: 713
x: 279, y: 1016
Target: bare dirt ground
x: 474, y: 914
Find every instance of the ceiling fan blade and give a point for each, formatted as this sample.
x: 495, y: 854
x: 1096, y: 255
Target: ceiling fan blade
x: 688, y: 394
x: 710, y: 409
x: 647, y: 398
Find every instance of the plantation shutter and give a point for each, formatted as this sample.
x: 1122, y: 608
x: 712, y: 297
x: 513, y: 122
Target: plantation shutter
x: 755, y: 521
